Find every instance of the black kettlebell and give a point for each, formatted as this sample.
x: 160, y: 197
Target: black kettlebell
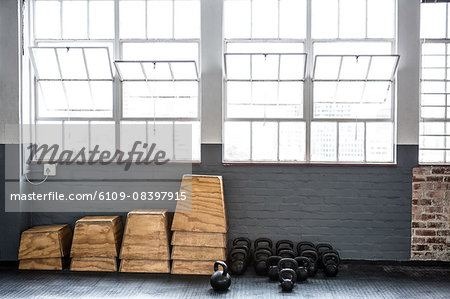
x: 312, y: 256
x: 284, y: 244
x: 287, y: 279
x: 321, y: 247
x: 304, y: 245
x: 287, y: 263
x: 330, y: 261
x: 237, y: 261
x: 286, y: 253
x: 272, y: 264
x: 220, y: 280
x: 265, y: 243
x: 260, y: 256
x: 303, y: 267
x: 242, y: 241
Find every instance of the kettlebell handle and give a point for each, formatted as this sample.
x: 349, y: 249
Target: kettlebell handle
x: 224, y: 266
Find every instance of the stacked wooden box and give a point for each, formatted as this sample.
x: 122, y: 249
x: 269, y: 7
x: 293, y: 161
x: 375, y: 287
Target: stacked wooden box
x: 96, y: 243
x: 199, y: 236
x: 145, y: 245
x: 45, y: 247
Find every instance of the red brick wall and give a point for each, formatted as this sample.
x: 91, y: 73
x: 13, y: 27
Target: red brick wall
x: 430, y: 227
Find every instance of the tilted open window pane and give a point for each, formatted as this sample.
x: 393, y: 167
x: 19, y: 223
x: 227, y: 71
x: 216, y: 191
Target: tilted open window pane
x: 71, y: 63
x: 157, y: 70
x: 355, y: 67
x: 265, y: 66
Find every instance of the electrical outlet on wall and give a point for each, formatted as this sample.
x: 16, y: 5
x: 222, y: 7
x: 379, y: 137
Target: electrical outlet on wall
x: 50, y: 169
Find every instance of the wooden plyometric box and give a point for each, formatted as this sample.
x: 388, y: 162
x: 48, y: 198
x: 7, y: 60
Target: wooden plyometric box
x: 145, y: 266
x: 46, y: 241
x: 101, y: 264
x: 205, y: 211
x: 97, y: 236
x: 199, y: 239
x: 146, y: 235
x: 50, y: 263
x: 193, y: 267
x: 198, y: 253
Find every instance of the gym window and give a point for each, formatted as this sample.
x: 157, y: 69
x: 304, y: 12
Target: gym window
x: 339, y: 110
x: 434, y: 141
x: 112, y: 63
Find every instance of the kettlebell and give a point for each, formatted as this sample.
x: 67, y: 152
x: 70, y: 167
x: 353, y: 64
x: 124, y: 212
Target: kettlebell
x: 260, y: 256
x: 287, y: 263
x: 321, y: 247
x: 304, y: 245
x: 286, y: 253
x: 312, y: 256
x: 237, y: 261
x: 272, y: 264
x: 242, y: 241
x: 330, y: 261
x: 287, y: 279
x: 303, y: 267
x: 263, y: 243
x: 284, y: 244
x: 220, y: 280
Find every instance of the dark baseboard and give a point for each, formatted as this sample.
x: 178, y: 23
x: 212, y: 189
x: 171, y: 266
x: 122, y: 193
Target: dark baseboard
x: 397, y: 263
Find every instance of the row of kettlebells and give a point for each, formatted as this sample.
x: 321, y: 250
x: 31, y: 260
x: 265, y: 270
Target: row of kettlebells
x: 282, y: 262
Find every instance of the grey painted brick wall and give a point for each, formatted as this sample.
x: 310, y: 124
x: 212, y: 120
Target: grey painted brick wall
x: 365, y: 211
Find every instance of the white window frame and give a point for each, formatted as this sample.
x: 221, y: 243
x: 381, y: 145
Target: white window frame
x: 308, y: 101
x: 116, y: 44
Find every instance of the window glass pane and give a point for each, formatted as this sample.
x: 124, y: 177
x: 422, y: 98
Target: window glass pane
x: 102, y: 96
x: 160, y: 99
x: 352, y: 48
x: 160, y: 51
x: 75, y: 19
x: 103, y: 134
x: 432, y: 156
x: 433, y: 20
x: 52, y: 101
x: 433, y: 61
x: 131, y: 132
x: 161, y: 133
x: 238, y: 67
x: 433, y: 74
x: 46, y: 63
x: 432, y: 112
x: 327, y: 68
x: 132, y: 19
x: 323, y: 141
x: 98, y: 63
x: 79, y: 95
x: 382, y: 67
x: 354, y: 68
x: 130, y: 71
x: 265, y: 19
x: 265, y: 67
x: 237, y: 141
x: 351, y: 142
x: 433, y: 48
x: 101, y: 19
x: 160, y: 19
x: 72, y: 63
x: 380, y: 146
x: 268, y: 47
x: 380, y: 18
x: 432, y: 99
x: 432, y: 142
x: 324, y: 21
x: 352, y: 18
x: 76, y: 136
x: 292, y: 18
x: 292, y: 141
x: 47, y: 19
x: 187, y: 19
x: 433, y: 87
x: 50, y: 133
x: 184, y: 151
x: 432, y: 128
x: 184, y: 70
x: 237, y: 18
x: 292, y: 67
x: 264, y: 141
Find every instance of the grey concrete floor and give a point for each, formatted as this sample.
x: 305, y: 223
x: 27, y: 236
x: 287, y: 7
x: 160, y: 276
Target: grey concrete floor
x: 355, y: 280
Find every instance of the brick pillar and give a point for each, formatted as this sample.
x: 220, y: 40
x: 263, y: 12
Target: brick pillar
x: 430, y: 227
